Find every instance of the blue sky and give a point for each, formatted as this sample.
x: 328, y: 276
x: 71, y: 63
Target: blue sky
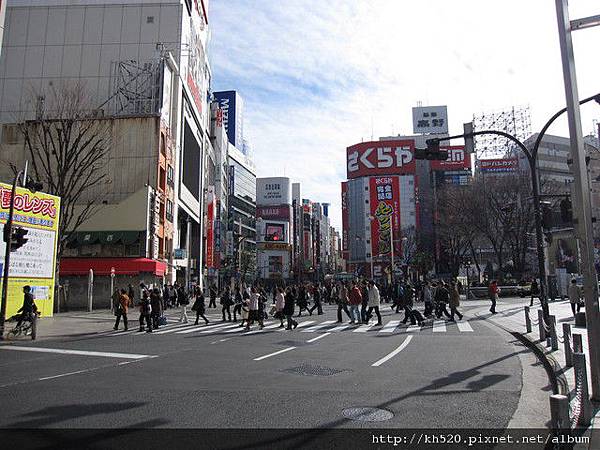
x: 318, y: 76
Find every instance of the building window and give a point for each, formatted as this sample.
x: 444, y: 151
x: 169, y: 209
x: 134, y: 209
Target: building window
x: 149, y: 19
x: 170, y: 174
x: 162, y: 181
x: 163, y: 145
x: 169, y: 212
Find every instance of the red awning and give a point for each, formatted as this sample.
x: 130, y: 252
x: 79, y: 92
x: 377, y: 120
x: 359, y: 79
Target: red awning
x: 102, y: 266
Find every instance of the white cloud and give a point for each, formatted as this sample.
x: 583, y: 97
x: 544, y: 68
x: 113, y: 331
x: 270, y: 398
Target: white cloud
x: 320, y: 76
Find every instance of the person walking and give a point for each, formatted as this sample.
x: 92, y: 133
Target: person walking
x: 493, y: 291
x: 364, y: 290
x: 212, y: 292
x: 121, y: 307
x: 288, y: 309
x: 535, y: 291
x: 182, y: 299
x: 199, y: 306
x: 355, y: 299
x: 253, y: 305
x: 173, y: 295
x: 408, y: 302
x: 442, y: 297
x: 145, y: 311
x: 454, y: 302
x: 373, y: 303
x: 279, y: 306
x: 226, y: 303
x: 342, y: 302
x: 157, y: 309
x: 239, y: 301
x: 317, y: 297
x: 302, y: 302
x: 574, y: 296
x: 427, y: 299
x: 131, y: 294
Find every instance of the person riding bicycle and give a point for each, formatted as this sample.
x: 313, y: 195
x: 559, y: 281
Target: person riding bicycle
x: 29, y: 309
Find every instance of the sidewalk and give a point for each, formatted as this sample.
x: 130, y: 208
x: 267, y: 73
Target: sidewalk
x: 511, y: 316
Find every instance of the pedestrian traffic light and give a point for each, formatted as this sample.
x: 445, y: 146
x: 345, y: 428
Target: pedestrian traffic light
x: 18, y: 238
x: 566, y: 210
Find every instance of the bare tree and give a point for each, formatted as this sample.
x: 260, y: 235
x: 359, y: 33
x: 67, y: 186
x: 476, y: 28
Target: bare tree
x: 409, y: 246
x: 67, y: 148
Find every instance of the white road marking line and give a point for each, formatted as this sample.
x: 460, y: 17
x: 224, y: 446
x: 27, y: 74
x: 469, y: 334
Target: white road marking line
x: 202, y: 327
x: 274, y: 353
x: 413, y: 328
x: 394, y: 353
x: 223, y: 328
x: 390, y: 326
x: 318, y: 337
x: 339, y: 328
x: 439, y: 326
x: 63, y: 375
x: 275, y: 325
x: 75, y: 352
x: 318, y: 327
x: 300, y: 325
x: 364, y: 328
x: 464, y: 326
x: 172, y: 329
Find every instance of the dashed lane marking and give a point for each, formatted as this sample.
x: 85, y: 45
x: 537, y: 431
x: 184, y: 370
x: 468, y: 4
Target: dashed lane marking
x: 318, y: 337
x: 75, y: 352
x: 260, y: 358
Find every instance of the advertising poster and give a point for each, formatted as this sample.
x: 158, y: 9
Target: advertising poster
x: 385, y: 210
x: 34, y: 263
x: 458, y: 159
x: 395, y: 157
x: 498, y: 165
x: 345, y: 221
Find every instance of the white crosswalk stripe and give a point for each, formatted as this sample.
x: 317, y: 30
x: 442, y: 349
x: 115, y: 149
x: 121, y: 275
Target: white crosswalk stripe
x: 225, y: 329
x: 413, y: 328
x: 172, y: 328
x: 202, y: 327
x: 439, y: 326
x: 269, y: 327
x: 390, y: 326
x: 340, y: 328
x: 318, y: 326
x: 364, y: 328
x: 300, y: 324
x: 464, y: 326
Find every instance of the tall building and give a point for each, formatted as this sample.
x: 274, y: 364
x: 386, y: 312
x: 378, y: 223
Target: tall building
x: 274, y: 228
x: 241, y: 236
x: 232, y: 105
x: 145, y: 71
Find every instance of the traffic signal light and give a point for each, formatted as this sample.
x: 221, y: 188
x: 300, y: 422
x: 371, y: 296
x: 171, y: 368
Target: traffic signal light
x: 432, y: 152
x: 18, y: 238
x: 566, y: 210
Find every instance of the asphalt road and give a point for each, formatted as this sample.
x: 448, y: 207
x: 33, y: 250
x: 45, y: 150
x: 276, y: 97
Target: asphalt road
x: 211, y: 377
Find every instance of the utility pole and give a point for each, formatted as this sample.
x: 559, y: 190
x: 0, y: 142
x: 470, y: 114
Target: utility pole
x: 582, y: 201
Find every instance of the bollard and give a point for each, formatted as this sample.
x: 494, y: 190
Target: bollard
x: 553, y: 336
x: 577, y: 344
x: 567, y: 341
x: 527, y: 320
x: 581, y: 372
x: 541, y: 325
x: 559, y: 413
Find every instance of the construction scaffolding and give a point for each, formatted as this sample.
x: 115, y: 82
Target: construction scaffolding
x: 515, y: 121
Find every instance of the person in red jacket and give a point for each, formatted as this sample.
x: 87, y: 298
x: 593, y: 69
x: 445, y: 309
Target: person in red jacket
x: 493, y: 291
x: 355, y: 300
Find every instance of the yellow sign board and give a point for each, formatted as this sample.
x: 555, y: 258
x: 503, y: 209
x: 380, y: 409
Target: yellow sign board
x: 33, y: 264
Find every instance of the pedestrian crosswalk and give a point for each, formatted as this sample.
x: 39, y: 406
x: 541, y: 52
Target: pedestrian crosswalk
x: 307, y: 326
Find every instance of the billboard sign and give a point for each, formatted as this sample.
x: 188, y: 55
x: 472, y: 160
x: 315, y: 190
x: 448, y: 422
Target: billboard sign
x: 210, y: 228
x: 33, y: 264
x: 430, y: 119
x: 458, y: 159
x: 232, y: 109
x: 274, y: 212
x: 345, y: 221
x: 381, y: 158
x: 498, y: 165
x: 273, y: 191
x: 385, y: 212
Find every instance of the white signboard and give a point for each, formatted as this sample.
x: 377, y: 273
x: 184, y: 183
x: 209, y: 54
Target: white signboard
x: 273, y: 191
x: 36, y: 258
x: 430, y: 119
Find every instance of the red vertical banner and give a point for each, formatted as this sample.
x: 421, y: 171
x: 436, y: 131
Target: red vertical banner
x: 385, y: 213
x: 210, y: 228
x: 345, y: 222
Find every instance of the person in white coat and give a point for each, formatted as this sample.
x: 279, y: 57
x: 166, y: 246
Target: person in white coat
x: 574, y: 296
x: 374, y: 302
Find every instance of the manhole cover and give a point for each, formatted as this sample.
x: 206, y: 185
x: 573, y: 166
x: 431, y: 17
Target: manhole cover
x: 316, y: 371
x: 367, y: 414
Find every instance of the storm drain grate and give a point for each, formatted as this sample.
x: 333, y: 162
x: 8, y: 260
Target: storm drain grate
x: 315, y: 371
x: 367, y: 414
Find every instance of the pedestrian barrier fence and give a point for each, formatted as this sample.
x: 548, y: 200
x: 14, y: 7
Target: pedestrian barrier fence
x: 566, y: 414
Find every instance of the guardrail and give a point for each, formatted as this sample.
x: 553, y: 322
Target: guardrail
x: 566, y: 414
